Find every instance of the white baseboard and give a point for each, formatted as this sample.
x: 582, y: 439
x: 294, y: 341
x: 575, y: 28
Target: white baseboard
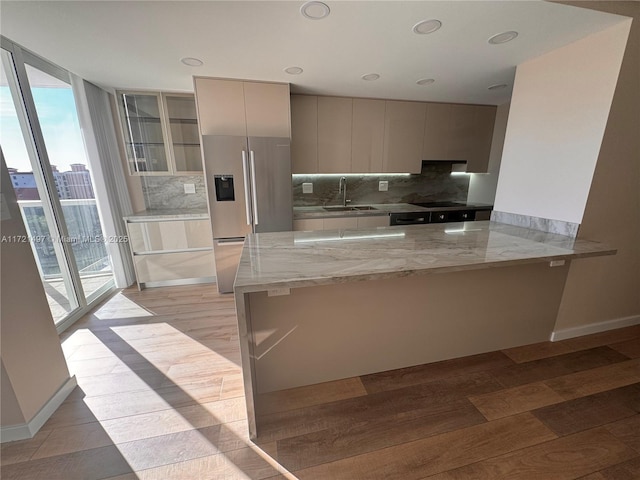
x: 12, y: 433
x: 594, y: 328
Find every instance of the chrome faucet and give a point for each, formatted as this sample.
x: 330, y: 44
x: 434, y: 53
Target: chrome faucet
x: 343, y: 189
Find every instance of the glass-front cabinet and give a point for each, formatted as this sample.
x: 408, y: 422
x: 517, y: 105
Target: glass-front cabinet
x: 160, y: 132
x: 180, y: 111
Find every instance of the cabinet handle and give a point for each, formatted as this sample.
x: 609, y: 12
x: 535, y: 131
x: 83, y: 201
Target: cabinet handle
x: 245, y: 172
x: 254, y: 195
x: 410, y: 220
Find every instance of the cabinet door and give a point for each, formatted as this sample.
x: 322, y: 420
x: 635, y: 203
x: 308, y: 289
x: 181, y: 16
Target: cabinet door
x: 184, y: 137
x: 143, y: 128
x: 339, y: 223
x: 403, y: 136
x: 307, y: 224
x: 437, y: 132
x: 304, y: 134
x: 485, y: 119
x: 334, y: 134
x: 173, y: 235
x: 267, y: 109
x: 367, y: 135
x: 221, y: 109
x: 372, y: 222
x: 463, y: 136
x: 174, y: 266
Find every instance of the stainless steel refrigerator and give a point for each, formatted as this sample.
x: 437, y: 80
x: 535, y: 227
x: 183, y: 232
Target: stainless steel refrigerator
x: 249, y: 190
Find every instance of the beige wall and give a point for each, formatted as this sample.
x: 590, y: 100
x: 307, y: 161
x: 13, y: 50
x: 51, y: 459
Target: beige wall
x: 34, y: 367
x: 609, y: 288
x: 10, y: 412
x: 558, y: 114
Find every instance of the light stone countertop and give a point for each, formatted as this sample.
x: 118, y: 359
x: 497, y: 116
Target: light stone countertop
x: 380, y: 210
x: 298, y: 259
x: 167, y: 214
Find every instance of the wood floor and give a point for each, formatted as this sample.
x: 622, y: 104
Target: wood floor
x: 160, y: 397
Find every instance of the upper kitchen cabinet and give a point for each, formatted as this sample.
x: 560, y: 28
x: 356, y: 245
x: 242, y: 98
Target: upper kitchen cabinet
x: 367, y: 135
x: 184, y: 138
x: 403, y: 136
x: 143, y: 128
x: 459, y: 132
x: 304, y: 134
x: 437, y: 132
x: 160, y: 133
x: 478, y: 158
x: 359, y: 135
x: 335, y: 117
x: 235, y: 107
x: 268, y: 109
x: 220, y: 107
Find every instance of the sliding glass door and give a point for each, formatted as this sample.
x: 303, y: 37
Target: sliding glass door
x: 42, y: 144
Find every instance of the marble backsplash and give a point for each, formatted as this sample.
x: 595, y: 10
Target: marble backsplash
x: 167, y: 192
x: 548, y: 225
x: 434, y: 184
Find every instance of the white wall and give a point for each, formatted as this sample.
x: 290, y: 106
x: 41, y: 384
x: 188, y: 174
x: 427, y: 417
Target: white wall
x: 482, y: 186
x: 607, y: 290
x: 559, y: 111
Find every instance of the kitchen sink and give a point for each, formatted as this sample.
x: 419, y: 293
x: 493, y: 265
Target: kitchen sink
x: 354, y: 208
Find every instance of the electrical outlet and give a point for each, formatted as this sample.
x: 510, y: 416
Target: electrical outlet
x: 307, y: 187
x: 189, y: 188
x: 383, y: 186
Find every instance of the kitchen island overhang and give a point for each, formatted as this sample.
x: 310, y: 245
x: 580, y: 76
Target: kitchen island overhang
x: 323, y: 305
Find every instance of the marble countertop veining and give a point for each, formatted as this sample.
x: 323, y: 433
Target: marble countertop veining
x: 299, y: 259
x: 167, y: 214
x: 380, y: 210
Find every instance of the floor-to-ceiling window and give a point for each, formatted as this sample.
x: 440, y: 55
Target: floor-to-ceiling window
x: 43, y: 148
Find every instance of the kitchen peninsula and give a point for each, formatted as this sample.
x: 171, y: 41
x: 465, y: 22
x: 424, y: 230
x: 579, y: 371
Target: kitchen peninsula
x: 323, y: 305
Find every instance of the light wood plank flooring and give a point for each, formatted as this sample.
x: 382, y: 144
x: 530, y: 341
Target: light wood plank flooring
x: 160, y: 397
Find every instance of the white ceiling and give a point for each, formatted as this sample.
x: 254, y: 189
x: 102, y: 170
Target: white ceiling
x: 138, y: 45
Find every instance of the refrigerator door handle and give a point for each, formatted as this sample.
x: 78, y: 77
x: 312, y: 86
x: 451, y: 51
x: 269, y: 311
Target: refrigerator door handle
x: 254, y: 194
x: 245, y: 172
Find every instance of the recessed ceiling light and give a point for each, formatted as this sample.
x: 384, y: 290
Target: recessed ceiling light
x: 427, y: 26
x: 370, y: 77
x: 425, y: 81
x: 315, y: 10
x: 293, y: 70
x: 498, y: 86
x: 503, y: 37
x: 192, y: 62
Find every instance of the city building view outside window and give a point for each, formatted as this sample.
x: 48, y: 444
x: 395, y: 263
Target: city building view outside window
x: 70, y: 251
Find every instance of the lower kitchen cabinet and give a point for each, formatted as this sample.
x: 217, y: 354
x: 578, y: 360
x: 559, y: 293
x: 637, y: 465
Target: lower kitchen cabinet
x: 171, y: 251
x: 309, y: 224
x: 339, y: 223
x: 171, y: 267
x: 377, y: 221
